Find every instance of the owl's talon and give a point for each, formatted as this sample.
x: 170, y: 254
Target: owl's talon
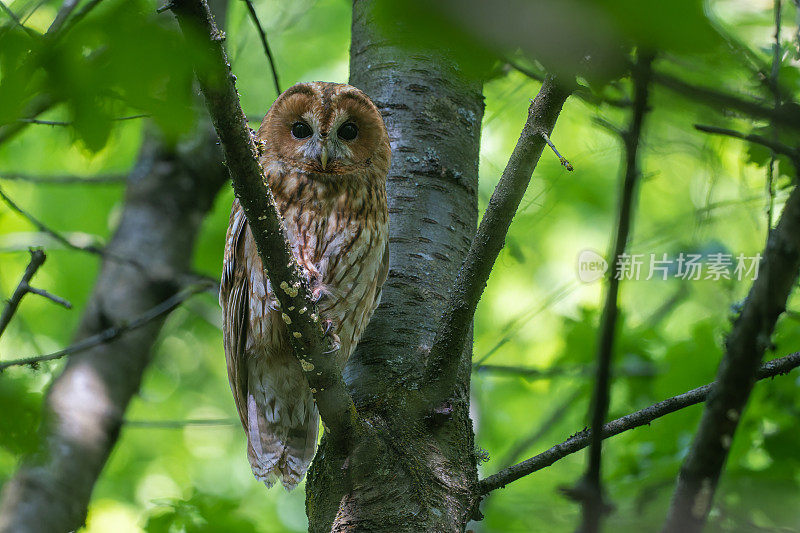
x: 333, y: 337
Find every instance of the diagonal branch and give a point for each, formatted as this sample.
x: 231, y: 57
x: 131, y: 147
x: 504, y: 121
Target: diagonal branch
x: 249, y: 183
x: 750, y: 337
x: 590, y: 489
x: 114, y: 332
x: 634, y: 420
x: 774, y: 145
x: 448, y: 344
x: 787, y: 115
x: 13, y: 16
x: 265, y: 44
x: 102, y: 179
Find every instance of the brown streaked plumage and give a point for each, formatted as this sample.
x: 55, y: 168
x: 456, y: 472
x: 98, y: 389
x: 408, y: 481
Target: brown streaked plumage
x: 326, y: 155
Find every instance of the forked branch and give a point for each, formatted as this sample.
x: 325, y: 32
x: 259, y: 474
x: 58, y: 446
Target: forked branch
x: 24, y: 287
x: 310, y: 344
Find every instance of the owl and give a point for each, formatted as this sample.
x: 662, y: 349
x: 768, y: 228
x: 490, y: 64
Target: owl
x: 325, y: 153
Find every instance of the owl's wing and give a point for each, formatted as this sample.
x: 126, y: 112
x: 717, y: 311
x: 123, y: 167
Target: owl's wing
x: 383, y: 272
x: 234, y: 299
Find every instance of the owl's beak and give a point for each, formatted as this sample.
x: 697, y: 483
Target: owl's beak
x: 323, y: 156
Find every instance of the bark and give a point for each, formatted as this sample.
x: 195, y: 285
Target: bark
x: 169, y: 193
x: 419, y: 473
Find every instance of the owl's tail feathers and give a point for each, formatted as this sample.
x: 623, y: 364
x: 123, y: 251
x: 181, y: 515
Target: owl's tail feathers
x: 283, y: 424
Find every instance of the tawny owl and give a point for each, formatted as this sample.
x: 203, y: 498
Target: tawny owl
x: 326, y: 155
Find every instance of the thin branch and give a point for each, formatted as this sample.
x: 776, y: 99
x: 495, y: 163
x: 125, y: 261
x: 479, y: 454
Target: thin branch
x: 265, y: 44
x: 544, y: 373
x: 23, y: 18
x: 582, y: 92
x: 314, y: 350
x: 113, y: 332
x: 40, y: 104
x: 50, y: 296
x: 639, y: 418
x: 63, y: 13
x: 88, y: 248
x: 448, y: 344
x: 45, y: 229
x: 776, y: 89
x: 772, y: 144
x: 787, y: 115
x: 23, y: 288
x: 79, y: 16
x: 110, y: 179
x: 749, y: 338
x: 560, y: 157
x: 18, y: 22
x: 65, y: 123
x: 589, y: 490
x: 179, y: 424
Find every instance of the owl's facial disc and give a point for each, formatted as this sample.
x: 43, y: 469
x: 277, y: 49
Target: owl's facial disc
x: 325, y: 147
x: 326, y: 130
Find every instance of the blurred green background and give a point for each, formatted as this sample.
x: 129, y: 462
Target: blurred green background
x: 700, y: 194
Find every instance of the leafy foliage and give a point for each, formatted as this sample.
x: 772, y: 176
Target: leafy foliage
x: 700, y: 194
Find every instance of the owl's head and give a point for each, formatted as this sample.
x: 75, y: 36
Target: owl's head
x: 328, y: 129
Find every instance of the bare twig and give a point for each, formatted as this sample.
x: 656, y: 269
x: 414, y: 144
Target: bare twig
x: 23, y: 288
x: 589, y: 490
x: 448, y: 344
x: 179, y: 424
x: 545, y: 373
x: 749, y: 338
x: 65, y: 123
x: 787, y: 115
x: 110, y: 179
x: 639, y: 418
x: 88, y: 248
x: 560, y: 157
x: 44, y: 229
x: 50, y: 296
x: 311, y: 346
x: 265, y: 44
x: 775, y: 146
x: 63, y: 13
x: 114, y: 332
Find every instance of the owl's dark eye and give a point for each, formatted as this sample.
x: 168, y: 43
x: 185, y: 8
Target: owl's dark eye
x: 347, y: 131
x: 301, y: 130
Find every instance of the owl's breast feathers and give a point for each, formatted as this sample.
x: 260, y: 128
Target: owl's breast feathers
x: 338, y: 229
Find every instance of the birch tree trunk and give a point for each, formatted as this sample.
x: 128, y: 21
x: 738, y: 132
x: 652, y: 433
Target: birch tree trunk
x: 420, y: 475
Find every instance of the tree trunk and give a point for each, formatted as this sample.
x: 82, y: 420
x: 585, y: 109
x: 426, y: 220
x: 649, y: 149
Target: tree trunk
x: 417, y: 473
x: 169, y: 193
